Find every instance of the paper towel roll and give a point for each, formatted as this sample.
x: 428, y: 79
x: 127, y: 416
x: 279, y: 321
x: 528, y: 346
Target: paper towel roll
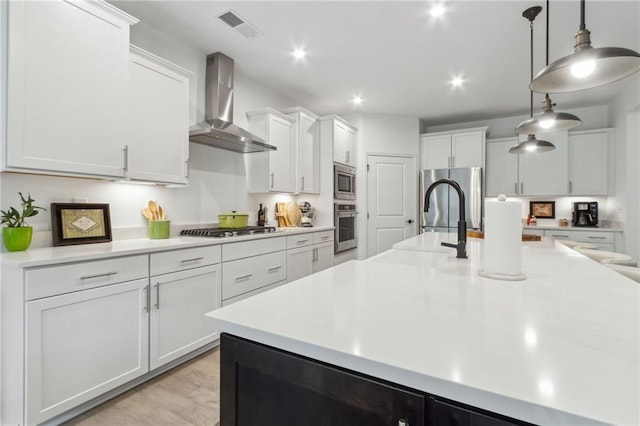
x: 502, y: 254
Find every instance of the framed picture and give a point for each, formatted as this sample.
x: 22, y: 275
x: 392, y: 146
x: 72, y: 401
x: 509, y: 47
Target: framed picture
x: 75, y: 223
x: 542, y: 209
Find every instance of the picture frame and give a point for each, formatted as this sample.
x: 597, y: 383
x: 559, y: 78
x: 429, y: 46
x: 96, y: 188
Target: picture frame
x: 543, y: 209
x: 80, y: 223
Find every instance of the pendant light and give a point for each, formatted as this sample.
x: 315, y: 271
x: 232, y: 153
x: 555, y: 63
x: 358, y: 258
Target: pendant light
x: 532, y: 144
x: 548, y: 120
x: 586, y: 67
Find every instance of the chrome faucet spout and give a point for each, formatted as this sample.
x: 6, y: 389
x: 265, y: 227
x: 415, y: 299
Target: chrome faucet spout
x: 461, y: 246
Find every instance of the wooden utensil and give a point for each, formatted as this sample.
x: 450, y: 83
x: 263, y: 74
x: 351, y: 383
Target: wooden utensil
x: 147, y: 213
x: 281, y: 214
x: 160, y: 213
x: 153, y: 208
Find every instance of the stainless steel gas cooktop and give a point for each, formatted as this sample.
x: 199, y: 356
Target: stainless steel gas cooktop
x: 226, y: 232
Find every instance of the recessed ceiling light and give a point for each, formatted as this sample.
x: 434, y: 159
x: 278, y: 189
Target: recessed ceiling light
x: 457, y: 81
x: 437, y: 9
x: 357, y: 100
x: 299, y: 53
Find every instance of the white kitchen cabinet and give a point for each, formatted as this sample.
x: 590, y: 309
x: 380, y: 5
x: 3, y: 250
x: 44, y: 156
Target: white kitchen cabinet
x: 501, y: 172
x: 588, y: 166
x: 602, y: 239
x: 342, y: 135
x: 308, y: 253
x: 462, y: 148
x: 179, y: 300
x: 545, y: 173
x: 158, y: 138
x: 85, y: 333
x: 272, y: 171
x: 307, y: 137
x: 68, y: 69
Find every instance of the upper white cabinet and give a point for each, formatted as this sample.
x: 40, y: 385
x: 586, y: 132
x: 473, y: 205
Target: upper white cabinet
x: 588, y: 162
x: 158, y: 139
x: 307, y: 137
x: 272, y: 171
x: 535, y: 174
x: 343, y: 136
x: 68, y: 69
x: 462, y: 148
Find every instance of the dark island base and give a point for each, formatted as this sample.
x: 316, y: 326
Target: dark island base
x: 264, y: 386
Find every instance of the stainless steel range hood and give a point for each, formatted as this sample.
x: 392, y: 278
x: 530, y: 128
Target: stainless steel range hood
x: 218, y: 129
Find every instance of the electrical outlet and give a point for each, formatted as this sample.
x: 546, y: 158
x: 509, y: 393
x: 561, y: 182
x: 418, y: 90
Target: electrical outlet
x: 78, y: 199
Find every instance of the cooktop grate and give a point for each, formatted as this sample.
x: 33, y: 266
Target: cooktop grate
x: 226, y: 232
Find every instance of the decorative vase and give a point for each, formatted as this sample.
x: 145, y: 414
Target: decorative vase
x: 18, y: 238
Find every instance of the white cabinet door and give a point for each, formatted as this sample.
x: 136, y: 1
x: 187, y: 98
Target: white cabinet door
x: 588, y: 162
x: 435, y: 152
x: 344, y: 143
x: 158, y: 139
x: 467, y: 149
x: 272, y: 171
x: 178, y: 303
x: 323, y: 256
x: 82, y: 344
x: 501, y: 172
x: 300, y: 262
x: 308, y: 143
x: 68, y: 71
x: 545, y: 173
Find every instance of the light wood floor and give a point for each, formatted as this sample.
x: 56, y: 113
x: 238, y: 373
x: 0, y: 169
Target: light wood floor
x: 187, y: 395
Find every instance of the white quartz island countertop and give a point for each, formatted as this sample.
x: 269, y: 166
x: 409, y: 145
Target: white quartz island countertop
x: 561, y: 347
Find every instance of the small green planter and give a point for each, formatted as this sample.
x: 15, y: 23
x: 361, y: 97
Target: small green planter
x: 17, y: 238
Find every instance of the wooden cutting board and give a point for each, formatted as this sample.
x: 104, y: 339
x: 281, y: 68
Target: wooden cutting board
x: 281, y: 214
x: 293, y: 214
x: 525, y: 237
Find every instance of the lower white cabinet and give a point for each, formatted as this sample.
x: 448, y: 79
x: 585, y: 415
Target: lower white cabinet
x: 309, y: 253
x: 178, y: 302
x: 602, y: 239
x: 80, y: 345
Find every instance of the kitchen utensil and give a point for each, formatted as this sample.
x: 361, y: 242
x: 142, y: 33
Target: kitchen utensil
x: 153, y: 208
x: 147, y: 213
x: 233, y: 220
x: 293, y: 214
x: 160, y: 213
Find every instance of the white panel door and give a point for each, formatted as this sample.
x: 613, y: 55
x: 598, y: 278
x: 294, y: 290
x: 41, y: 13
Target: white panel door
x: 545, y: 173
x: 501, y: 173
x: 300, y: 262
x: 391, y: 201
x: 178, y: 303
x: 281, y: 161
x: 80, y: 345
x: 435, y: 152
x: 308, y: 155
x: 467, y: 149
x: 324, y: 256
x: 588, y: 163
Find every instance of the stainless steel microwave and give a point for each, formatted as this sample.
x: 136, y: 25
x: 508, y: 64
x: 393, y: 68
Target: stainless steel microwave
x: 344, y: 182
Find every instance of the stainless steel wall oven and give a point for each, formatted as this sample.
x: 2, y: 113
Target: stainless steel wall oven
x: 346, y: 232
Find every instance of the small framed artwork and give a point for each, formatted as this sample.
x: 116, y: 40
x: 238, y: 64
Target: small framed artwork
x: 76, y: 223
x: 542, y: 209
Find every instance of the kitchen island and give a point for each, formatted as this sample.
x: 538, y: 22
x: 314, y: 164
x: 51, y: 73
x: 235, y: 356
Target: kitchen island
x: 561, y: 347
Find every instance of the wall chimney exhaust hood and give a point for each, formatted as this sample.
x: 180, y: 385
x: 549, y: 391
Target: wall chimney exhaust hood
x: 218, y: 129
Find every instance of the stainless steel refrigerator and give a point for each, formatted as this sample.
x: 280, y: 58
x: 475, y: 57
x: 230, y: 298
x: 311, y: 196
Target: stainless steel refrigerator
x: 443, y: 204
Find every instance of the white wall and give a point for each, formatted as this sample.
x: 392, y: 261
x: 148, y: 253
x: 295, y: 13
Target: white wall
x: 380, y: 134
x: 217, y: 177
x: 623, y: 115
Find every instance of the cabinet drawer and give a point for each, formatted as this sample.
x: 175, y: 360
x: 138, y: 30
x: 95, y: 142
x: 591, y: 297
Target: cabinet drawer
x: 539, y: 232
x: 300, y: 240
x: 252, y: 293
x: 322, y: 237
x: 593, y: 237
x: 177, y: 260
x: 70, y: 277
x: 241, y: 276
x: 240, y: 250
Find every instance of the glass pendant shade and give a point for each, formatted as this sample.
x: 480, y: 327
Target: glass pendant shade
x: 586, y: 67
x: 548, y: 121
x: 531, y: 145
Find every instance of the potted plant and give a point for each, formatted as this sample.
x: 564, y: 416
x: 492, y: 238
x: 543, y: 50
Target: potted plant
x: 17, y: 234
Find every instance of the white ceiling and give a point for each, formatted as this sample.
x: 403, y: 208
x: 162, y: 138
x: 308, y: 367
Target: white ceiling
x: 396, y: 56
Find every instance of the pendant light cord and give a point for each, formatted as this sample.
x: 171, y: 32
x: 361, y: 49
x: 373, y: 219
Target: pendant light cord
x: 531, y: 74
x: 583, y: 26
x: 546, y: 95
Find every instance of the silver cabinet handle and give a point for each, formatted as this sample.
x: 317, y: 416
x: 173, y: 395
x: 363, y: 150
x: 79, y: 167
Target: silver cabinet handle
x: 195, y: 259
x: 326, y: 237
x: 244, y: 277
x: 147, y: 297
x: 106, y: 274
x: 316, y: 254
x: 186, y: 163
x: 521, y: 188
x: 515, y: 187
x: 453, y: 161
x: 569, y: 187
x: 347, y: 156
x: 302, y: 183
x: 559, y: 236
x: 125, y: 153
x: 275, y: 268
x: 597, y: 238
x: 301, y: 241
x: 157, y: 286
x: 272, y: 179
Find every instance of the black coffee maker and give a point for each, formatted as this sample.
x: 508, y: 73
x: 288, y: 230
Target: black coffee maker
x: 585, y: 213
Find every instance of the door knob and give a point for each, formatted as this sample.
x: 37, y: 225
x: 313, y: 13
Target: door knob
x: 410, y: 221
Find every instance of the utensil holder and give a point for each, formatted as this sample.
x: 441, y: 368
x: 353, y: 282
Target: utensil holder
x: 159, y: 229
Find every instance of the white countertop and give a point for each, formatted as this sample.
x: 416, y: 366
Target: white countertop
x: 561, y: 347
x: 53, y: 255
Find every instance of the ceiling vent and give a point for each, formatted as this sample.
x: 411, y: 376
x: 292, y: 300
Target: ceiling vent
x: 237, y: 23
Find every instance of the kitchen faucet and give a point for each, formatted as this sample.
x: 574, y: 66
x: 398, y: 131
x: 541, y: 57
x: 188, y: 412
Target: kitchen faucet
x: 461, y: 246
